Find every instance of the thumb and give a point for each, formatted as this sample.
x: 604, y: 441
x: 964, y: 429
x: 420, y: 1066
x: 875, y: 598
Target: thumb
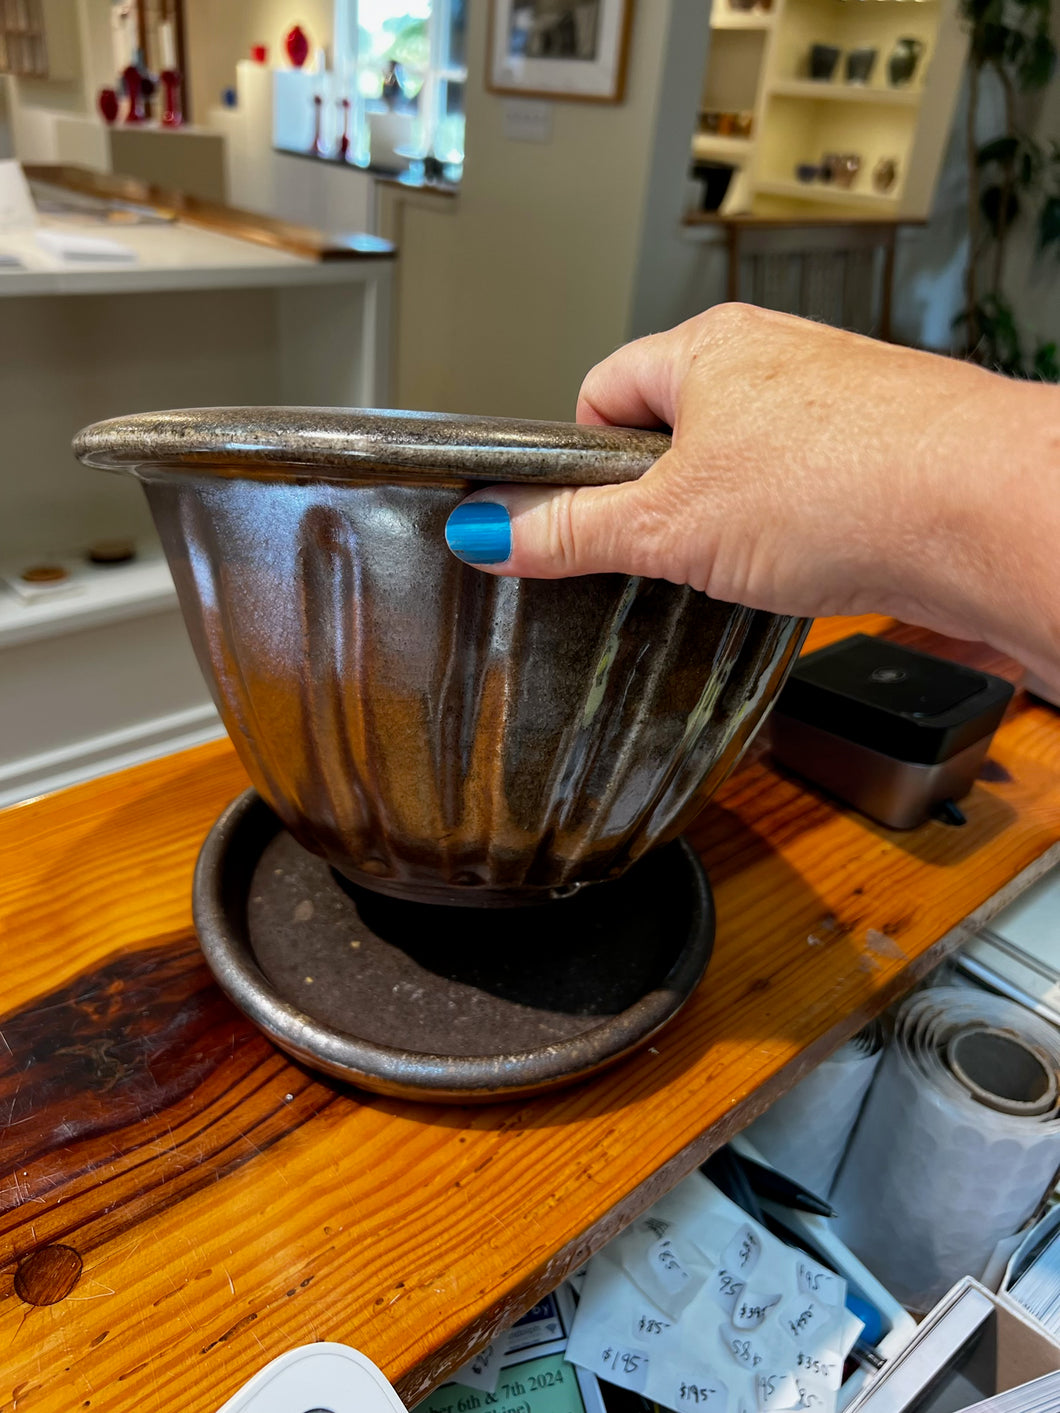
x: 552, y: 532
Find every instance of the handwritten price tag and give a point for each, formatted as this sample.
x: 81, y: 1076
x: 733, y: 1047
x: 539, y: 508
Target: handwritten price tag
x: 668, y: 1267
x: 648, y: 1328
x: 826, y: 1286
x: 627, y: 1367
x: 826, y: 1371
x: 706, y: 1395
x: 803, y: 1318
x: 747, y: 1351
x: 481, y: 1371
x: 742, y: 1253
x: 776, y: 1391
x: 751, y: 1309
x: 726, y: 1288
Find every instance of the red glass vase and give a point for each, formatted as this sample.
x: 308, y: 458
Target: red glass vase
x: 296, y: 43
x: 134, y: 90
x: 172, y: 108
x: 107, y: 102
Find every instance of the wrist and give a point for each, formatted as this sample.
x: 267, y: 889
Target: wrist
x: 986, y: 512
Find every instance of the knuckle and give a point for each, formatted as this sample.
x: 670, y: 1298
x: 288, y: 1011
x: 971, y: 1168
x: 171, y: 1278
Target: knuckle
x: 562, y: 543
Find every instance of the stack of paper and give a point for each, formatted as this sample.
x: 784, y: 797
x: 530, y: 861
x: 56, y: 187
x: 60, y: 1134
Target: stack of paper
x: 696, y: 1306
x: 1037, y: 1288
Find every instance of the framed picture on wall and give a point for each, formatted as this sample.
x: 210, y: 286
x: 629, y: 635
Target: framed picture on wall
x: 559, y: 48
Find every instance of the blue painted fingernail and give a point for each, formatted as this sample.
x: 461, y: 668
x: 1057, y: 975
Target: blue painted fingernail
x: 480, y: 532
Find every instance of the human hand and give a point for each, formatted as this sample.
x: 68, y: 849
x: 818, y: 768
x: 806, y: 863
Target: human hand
x: 812, y: 472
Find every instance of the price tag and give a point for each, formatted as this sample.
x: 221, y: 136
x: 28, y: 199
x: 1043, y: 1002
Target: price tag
x: 746, y: 1350
x: 726, y: 1288
x: 648, y: 1327
x: 694, y: 1391
x: 751, y: 1309
x: 742, y: 1253
x: 826, y: 1286
x: 824, y: 1369
x: 804, y: 1317
x: 481, y: 1371
x: 776, y: 1391
x: 669, y: 1269
x: 627, y: 1367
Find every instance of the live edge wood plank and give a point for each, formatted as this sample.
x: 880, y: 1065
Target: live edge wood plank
x: 220, y: 1205
x: 288, y: 236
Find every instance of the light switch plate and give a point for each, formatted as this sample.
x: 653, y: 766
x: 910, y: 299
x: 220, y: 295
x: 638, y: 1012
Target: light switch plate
x: 318, y: 1378
x: 527, y: 121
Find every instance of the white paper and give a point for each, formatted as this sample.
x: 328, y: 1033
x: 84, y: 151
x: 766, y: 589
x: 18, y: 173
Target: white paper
x: 753, y: 1322
x: 67, y: 245
x: 17, y: 211
x: 806, y: 1132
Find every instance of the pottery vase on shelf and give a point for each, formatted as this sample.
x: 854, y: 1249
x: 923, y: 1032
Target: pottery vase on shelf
x: 296, y: 43
x: 444, y: 762
x: 885, y: 173
x: 172, y: 108
x: 903, y: 60
x: 846, y: 169
x: 134, y: 92
x: 859, y: 65
x: 107, y: 102
x: 823, y: 61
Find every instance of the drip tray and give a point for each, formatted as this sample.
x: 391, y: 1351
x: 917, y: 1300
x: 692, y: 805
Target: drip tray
x: 445, y: 1003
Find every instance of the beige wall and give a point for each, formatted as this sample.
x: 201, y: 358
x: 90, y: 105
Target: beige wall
x: 220, y: 32
x: 509, y: 294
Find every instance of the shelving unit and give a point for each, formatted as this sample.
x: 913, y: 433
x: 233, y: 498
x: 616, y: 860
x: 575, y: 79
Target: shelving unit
x: 759, y: 63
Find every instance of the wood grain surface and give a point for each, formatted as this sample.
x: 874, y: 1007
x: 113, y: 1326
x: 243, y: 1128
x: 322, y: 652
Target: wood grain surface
x: 179, y: 1203
x: 270, y: 231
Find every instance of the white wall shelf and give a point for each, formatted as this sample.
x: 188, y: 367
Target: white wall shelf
x: 839, y: 92
x: 709, y: 146
x: 741, y: 19
x: 101, y: 594
x: 829, y: 194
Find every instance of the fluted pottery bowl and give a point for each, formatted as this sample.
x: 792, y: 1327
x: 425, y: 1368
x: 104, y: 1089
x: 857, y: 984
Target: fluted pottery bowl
x: 433, y: 732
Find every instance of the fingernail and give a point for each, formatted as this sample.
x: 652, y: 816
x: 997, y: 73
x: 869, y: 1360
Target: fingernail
x: 480, y: 532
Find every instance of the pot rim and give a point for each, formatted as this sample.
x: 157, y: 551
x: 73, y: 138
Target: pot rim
x: 345, y: 445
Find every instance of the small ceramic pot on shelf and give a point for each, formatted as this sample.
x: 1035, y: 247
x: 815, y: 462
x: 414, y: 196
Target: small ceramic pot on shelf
x: 859, y: 65
x: 885, y: 174
x: 824, y: 59
x: 903, y: 60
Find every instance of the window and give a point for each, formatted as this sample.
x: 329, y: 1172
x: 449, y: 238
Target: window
x: 407, y: 62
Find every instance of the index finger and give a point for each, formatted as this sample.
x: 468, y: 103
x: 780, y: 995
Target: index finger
x: 634, y: 387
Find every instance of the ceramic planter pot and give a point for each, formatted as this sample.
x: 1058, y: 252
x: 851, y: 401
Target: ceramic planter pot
x: 435, y: 733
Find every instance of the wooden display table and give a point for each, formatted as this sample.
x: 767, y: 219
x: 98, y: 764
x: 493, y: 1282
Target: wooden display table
x: 194, y: 1204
